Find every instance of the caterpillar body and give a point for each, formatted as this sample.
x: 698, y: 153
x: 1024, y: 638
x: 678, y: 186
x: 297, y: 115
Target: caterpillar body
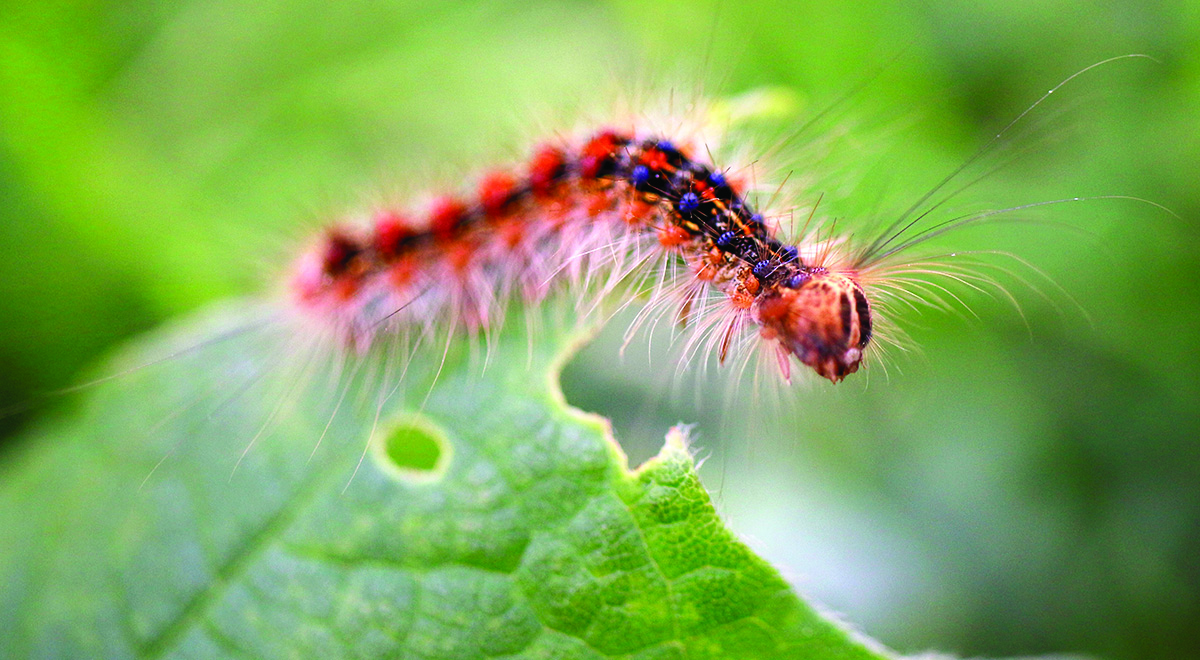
x: 652, y: 210
x: 626, y: 203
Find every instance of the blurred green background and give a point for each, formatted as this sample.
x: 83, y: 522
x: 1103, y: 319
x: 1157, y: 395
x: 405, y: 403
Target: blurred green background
x: 1027, y: 483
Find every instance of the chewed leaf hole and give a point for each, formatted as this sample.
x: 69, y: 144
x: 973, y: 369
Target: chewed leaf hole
x: 413, y: 448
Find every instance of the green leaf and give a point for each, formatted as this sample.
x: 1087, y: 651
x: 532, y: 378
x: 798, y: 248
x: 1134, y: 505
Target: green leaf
x: 250, y: 497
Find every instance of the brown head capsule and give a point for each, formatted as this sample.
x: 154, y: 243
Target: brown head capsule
x: 822, y: 318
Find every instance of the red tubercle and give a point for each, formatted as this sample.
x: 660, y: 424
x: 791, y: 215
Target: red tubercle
x: 589, y: 166
x: 673, y: 236
x: 402, y: 273
x: 511, y: 233
x: 545, y: 168
x: 496, y: 191
x: 599, y: 202
x: 655, y: 159
x: 598, y: 150
x: 445, y: 214
x: 459, y: 255
x: 640, y: 212
x: 705, y: 270
x: 706, y: 192
x: 345, y: 288
x: 390, y: 232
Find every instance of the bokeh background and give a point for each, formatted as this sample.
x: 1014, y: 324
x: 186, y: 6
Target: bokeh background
x: 1027, y: 482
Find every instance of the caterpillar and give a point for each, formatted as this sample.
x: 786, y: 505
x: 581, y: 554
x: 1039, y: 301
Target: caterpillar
x: 635, y: 206
x: 625, y: 203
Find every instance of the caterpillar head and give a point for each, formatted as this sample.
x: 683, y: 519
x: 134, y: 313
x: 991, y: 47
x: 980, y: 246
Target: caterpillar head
x: 821, y: 318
